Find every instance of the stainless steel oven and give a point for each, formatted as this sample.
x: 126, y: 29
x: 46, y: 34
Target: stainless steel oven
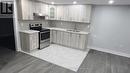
x: 44, y: 35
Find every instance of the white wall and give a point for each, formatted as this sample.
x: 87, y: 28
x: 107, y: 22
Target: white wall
x: 110, y: 29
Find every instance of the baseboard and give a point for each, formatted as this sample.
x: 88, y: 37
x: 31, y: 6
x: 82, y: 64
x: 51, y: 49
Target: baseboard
x: 18, y: 50
x: 110, y: 51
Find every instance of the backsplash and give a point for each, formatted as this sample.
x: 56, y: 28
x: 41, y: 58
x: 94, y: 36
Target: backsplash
x: 24, y: 25
x: 70, y: 25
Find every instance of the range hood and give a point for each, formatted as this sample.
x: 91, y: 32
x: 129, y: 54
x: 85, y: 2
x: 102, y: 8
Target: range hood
x: 39, y: 16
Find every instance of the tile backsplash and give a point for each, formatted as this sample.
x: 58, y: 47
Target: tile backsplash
x: 24, y: 25
x: 70, y: 25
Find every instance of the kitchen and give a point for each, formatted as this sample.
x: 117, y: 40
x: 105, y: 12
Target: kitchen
x: 67, y: 26
x: 76, y: 35
x: 58, y: 26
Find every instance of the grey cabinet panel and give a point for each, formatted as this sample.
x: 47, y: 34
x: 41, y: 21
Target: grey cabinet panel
x: 65, y: 39
x: 58, y: 37
x: 82, y: 41
x: 54, y: 36
x: 51, y: 36
x: 61, y: 37
x: 29, y: 42
x: 73, y: 40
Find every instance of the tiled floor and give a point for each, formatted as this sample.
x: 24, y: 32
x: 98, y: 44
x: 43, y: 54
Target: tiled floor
x: 62, y: 56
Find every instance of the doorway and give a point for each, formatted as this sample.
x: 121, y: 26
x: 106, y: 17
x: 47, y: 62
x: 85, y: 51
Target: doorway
x: 7, y: 39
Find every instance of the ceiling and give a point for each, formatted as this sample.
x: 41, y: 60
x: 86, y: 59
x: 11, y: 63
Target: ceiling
x: 97, y: 2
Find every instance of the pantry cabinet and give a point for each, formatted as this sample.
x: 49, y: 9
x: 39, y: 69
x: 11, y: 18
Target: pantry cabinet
x: 68, y: 39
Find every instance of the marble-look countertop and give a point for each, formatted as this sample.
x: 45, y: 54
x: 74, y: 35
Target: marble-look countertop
x: 29, y: 31
x: 66, y: 30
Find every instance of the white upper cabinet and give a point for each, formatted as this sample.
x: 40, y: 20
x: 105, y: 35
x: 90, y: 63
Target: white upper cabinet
x: 51, y: 12
x: 41, y: 8
x: 62, y: 12
x: 75, y: 13
x: 26, y: 8
x: 80, y: 13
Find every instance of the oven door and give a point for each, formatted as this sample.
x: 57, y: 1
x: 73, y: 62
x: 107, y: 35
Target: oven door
x: 44, y: 36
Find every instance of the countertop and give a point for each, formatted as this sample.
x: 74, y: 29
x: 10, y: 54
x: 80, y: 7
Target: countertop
x: 29, y: 31
x: 66, y: 30
x: 54, y: 28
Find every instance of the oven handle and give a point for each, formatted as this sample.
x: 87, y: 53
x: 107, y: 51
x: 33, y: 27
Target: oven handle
x: 44, y: 32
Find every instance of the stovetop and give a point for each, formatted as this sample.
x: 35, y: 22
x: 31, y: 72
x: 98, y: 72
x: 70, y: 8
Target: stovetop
x: 39, y: 29
x: 44, y: 29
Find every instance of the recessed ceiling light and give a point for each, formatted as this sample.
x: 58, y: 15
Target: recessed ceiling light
x: 74, y: 2
x: 52, y: 3
x: 111, y: 1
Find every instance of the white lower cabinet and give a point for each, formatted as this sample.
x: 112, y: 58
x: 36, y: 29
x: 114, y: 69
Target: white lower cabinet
x: 54, y: 33
x: 58, y: 37
x: 66, y: 38
x: 51, y: 36
x: 29, y: 40
x: 61, y: 37
x: 73, y: 40
x: 83, y: 41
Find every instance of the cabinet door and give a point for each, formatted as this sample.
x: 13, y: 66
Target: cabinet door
x: 54, y: 36
x: 82, y: 11
x: 51, y: 36
x: 61, y: 37
x: 44, y: 9
x: 66, y: 39
x: 65, y: 13
x: 38, y: 7
x: 86, y: 13
x: 30, y: 10
x: 33, y: 41
x: 52, y: 12
x: 59, y: 12
x: 74, y: 40
x: 82, y: 42
x: 69, y: 39
x: 25, y: 9
x: 77, y: 41
x: 58, y: 37
x: 73, y: 12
